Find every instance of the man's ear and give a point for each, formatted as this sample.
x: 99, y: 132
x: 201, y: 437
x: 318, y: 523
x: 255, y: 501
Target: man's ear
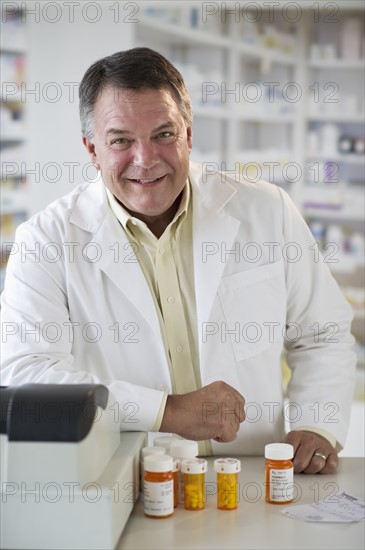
x: 90, y: 148
x: 189, y: 134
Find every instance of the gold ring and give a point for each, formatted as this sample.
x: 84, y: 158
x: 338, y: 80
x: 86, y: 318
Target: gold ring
x: 321, y: 455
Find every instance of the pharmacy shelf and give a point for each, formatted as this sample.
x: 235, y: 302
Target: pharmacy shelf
x: 211, y: 112
x: 259, y: 53
x: 263, y: 156
x: 337, y: 215
x: 351, y: 158
x: 14, y: 201
x: 176, y: 34
x: 337, y: 64
x: 16, y: 98
x: 8, y: 48
x: 337, y: 117
x: 265, y: 118
x: 346, y: 264
x: 14, y: 196
x: 17, y: 138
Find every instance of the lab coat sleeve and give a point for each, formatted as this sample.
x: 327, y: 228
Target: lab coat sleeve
x: 34, y: 349
x: 318, y: 339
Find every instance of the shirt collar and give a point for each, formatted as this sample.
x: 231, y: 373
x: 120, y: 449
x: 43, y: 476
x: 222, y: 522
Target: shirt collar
x: 128, y: 221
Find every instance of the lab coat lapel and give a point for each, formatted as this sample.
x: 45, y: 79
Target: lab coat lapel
x: 213, y: 229
x: 117, y: 258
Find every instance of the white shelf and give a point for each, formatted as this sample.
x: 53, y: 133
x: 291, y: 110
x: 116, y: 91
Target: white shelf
x: 13, y: 202
x: 258, y: 52
x: 346, y: 264
x: 16, y: 98
x: 337, y: 64
x: 262, y: 156
x: 9, y: 48
x: 12, y: 138
x: 351, y: 158
x: 177, y: 33
x: 333, y: 214
x: 270, y: 118
x: 338, y: 117
x: 210, y: 112
x: 239, y: 114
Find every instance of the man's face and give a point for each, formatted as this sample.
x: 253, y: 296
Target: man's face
x: 142, y: 145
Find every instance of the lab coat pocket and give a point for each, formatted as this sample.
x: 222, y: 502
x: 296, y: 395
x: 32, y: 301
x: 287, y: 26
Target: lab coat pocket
x: 254, y: 305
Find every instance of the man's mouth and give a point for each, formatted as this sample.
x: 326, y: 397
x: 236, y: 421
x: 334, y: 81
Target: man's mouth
x: 150, y: 181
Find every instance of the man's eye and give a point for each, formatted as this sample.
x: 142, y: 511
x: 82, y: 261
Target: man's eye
x: 119, y: 141
x: 165, y: 135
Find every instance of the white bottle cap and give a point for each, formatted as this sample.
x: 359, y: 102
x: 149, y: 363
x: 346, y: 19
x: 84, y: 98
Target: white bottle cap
x: 164, y: 441
x: 227, y: 465
x: 158, y: 463
x: 279, y: 451
x: 152, y: 451
x: 184, y: 448
x: 194, y: 466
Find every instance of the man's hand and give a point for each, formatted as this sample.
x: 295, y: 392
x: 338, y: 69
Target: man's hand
x: 213, y: 412
x: 306, y: 445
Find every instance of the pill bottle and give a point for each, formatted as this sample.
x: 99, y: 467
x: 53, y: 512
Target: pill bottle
x: 150, y: 451
x: 158, y: 486
x: 227, y: 481
x: 176, y: 478
x: 165, y: 441
x: 181, y: 449
x: 194, y: 482
x: 279, y: 473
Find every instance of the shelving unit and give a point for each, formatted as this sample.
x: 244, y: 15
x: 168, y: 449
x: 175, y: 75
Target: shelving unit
x: 14, y: 208
x: 224, y: 58
x: 342, y: 117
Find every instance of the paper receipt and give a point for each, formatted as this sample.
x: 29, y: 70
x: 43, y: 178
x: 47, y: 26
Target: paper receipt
x: 339, y: 508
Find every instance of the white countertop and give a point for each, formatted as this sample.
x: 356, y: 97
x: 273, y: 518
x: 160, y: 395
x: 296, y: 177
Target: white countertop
x: 255, y: 524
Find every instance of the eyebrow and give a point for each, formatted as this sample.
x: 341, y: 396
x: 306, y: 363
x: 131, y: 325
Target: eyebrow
x: 118, y: 131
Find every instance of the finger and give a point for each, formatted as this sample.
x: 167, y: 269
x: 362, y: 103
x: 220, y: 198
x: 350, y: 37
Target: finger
x: 229, y: 433
x: 240, y: 414
x: 293, y: 438
x: 316, y: 463
x: 331, y: 464
x: 302, y: 457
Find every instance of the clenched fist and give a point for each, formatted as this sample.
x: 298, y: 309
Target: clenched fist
x: 213, y: 412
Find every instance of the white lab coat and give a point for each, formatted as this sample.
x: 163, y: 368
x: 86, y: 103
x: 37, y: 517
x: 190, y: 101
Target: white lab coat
x: 77, y: 309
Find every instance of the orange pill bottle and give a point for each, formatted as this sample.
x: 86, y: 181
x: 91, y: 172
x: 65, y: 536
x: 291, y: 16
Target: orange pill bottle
x: 279, y: 473
x: 227, y: 470
x: 158, y: 486
x: 179, y: 450
x: 176, y: 478
x: 194, y: 470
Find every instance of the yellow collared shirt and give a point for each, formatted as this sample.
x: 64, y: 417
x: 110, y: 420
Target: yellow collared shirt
x: 167, y: 266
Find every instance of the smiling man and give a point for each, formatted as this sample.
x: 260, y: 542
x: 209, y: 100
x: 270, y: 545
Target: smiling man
x: 141, y: 144
x: 147, y: 280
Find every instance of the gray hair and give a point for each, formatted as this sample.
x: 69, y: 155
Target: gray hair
x: 137, y: 69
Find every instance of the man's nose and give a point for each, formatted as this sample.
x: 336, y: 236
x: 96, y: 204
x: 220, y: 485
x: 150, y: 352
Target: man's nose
x: 145, y: 154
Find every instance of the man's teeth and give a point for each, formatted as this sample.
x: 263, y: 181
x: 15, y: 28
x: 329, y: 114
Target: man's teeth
x: 147, y: 181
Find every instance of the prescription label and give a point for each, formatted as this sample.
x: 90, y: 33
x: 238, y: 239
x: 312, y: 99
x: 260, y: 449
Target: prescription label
x: 158, y: 498
x: 281, y: 485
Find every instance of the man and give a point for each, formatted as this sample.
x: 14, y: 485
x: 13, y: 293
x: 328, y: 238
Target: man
x: 176, y: 286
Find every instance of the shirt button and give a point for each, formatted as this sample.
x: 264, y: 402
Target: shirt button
x: 171, y: 299
x: 179, y: 348
x: 161, y: 250
x: 134, y: 222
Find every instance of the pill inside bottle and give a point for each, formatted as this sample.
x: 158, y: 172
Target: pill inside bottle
x: 194, y: 470
x: 227, y: 481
